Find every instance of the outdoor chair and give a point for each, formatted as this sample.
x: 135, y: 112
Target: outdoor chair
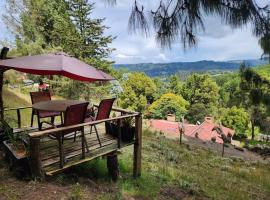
x: 38, y: 97
x: 74, y: 114
x: 103, y: 112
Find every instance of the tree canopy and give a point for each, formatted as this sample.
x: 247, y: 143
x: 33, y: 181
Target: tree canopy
x: 237, y: 119
x: 168, y: 103
x: 200, y: 89
x: 139, y: 90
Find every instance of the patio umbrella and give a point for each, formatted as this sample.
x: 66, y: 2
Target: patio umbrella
x: 56, y: 64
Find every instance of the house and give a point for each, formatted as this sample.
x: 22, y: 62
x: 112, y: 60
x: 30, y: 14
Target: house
x: 203, y: 131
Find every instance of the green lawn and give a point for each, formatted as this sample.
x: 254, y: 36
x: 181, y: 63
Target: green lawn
x: 14, y: 98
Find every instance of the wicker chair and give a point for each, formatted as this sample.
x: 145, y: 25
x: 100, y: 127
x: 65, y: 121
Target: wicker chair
x: 38, y: 97
x: 74, y: 114
x: 103, y: 112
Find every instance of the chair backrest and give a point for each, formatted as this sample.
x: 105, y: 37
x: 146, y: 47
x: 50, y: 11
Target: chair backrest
x: 40, y: 96
x: 3, y: 54
x: 104, y: 109
x: 75, y: 114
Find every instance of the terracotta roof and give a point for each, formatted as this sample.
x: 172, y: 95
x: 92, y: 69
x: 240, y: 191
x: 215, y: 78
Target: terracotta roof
x: 203, y: 131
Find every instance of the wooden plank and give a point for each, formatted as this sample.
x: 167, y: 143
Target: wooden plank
x: 137, y: 147
x: 96, y: 155
x: 20, y: 108
x: 59, y: 130
x: 75, y: 152
x: 54, y: 153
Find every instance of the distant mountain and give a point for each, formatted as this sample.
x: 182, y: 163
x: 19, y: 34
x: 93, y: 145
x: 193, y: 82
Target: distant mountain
x: 167, y: 69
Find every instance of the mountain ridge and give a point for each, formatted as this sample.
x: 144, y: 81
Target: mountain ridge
x: 167, y: 69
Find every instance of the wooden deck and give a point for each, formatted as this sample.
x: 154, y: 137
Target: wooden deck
x: 73, y: 150
x: 44, y: 156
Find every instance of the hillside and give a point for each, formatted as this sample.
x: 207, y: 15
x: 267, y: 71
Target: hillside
x: 169, y: 171
x: 166, y: 69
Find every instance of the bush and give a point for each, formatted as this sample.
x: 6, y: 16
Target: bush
x: 168, y: 104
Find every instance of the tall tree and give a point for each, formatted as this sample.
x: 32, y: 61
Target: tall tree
x: 255, y: 96
x: 92, y: 42
x: 201, y: 89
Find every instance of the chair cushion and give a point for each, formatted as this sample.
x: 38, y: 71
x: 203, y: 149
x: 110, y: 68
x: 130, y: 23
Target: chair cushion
x: 43, y: 114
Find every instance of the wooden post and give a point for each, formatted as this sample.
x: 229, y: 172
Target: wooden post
x: 137, y: 146
x: 83, y: 143
x: 19, y: 118
x: 35, y: 160
x: 113, y: 166
x: 119, y: 133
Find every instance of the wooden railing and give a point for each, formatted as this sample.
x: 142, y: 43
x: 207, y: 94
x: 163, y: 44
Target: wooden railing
x: 18, y: 112
x: 35, y: 139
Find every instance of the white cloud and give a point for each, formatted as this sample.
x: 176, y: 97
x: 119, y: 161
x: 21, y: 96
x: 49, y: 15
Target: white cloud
x: 218, y: 42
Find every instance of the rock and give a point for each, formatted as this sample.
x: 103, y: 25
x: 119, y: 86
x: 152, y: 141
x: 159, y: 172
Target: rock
x: 239, y: 148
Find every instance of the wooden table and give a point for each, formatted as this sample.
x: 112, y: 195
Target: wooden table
x: 55, y: 105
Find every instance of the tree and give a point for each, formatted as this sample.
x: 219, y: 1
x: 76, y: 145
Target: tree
x: 201, y: 89
x: 230, y: 92
x: 91, y: 42
x: 197, y: 113
x: 181, y: 19
x: 237, y: 119
x: 139, y: 90
x: 255, y: 96
x: 59, y: 25
x: 264, y: 42
x: 174, y: 85
x: 168, y: 103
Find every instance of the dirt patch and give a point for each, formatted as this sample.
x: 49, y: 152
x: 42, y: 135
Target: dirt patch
x: 174, y: 192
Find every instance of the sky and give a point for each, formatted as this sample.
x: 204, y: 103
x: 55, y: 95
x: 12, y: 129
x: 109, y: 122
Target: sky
x: 219, y: 42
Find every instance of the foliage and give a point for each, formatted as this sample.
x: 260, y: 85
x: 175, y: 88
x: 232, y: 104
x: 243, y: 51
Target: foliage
x: 174, y: 85
x: 168, y: 104
x: 138, y: 91
x: 197, y: 113
x: 182, y: 20
x: 201, y: 89
x: 264, y: 42
x: 230, y: 92
x: 237, y: 119
x: 255, y: 96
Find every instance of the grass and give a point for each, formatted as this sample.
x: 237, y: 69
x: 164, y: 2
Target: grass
x: 168, y: 170
x: 14, y: 98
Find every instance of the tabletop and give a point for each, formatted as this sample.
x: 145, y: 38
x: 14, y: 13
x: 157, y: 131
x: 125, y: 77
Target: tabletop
x: 55, y: 105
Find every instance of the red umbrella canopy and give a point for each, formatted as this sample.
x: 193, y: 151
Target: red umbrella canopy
x: 56, y: 64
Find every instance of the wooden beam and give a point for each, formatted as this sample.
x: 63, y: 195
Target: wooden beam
x: 119, y: 133
x: 20, y: 108
x: 35, y: 159
x: 137, y: 147
x: 113, y: 166
x: 59, y: 130
x: 19, y: 118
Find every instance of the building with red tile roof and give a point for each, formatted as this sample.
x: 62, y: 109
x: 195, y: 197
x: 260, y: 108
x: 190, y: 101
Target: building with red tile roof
x: 203, y: 131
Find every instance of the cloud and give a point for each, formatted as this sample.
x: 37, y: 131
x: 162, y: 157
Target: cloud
x: 218, y: 42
